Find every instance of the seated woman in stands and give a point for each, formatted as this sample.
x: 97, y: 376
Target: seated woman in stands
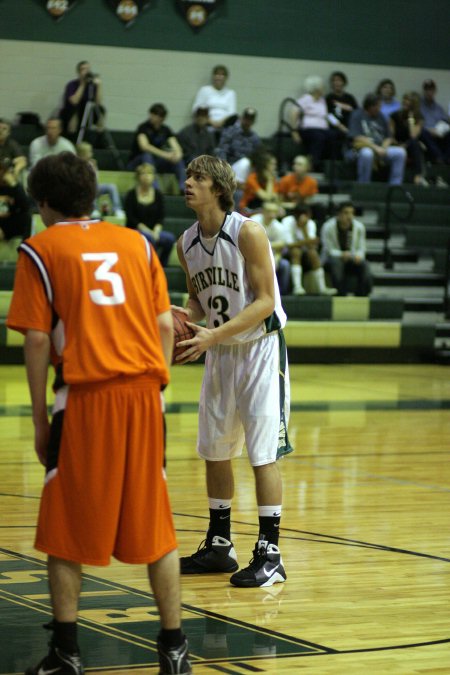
x: 144, y: 209
x: 262, y: 183
x: 406, y: 127
x: 311, y: 123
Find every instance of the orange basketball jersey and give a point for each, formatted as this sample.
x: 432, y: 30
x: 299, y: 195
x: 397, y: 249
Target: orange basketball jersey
x: 97, y: 288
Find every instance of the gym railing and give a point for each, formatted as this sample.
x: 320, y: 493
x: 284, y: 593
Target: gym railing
x: 447, y: 283
x: 389, y: 212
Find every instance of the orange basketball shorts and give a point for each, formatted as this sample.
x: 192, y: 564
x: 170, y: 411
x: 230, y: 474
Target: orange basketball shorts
x: 107, y: 494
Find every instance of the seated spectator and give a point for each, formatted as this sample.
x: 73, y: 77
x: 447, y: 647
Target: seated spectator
x: 50, y: 144
x: 373, y: 144
x: 298, y: 187
x: 340, y: 105
x: 406, y: 128
x: 339, y: 102
x: 300, y: 235
x: 238, y: 144
x: 275, y: 233
x: 86, y: 88
x: 155, y: 143
x: 195, y: 139
x: 262, y: 183
x: 386, y: 91
x: 144, y: 208
x: 11, y: 150
x: 436, y: 125
x: 84, y: 151
x: 218, y: 98
x: 15, y: 208
x: 344, y: 251
x: 311, y: 124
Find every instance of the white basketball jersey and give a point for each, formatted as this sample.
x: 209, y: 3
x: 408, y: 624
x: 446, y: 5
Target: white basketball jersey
x: 217, y: 272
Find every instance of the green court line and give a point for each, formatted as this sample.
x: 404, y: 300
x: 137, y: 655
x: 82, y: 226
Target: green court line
x: 119, y: 628
x: 311, y: 406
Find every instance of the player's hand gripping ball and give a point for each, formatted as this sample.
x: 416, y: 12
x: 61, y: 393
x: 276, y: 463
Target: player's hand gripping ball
x: 181, y: 332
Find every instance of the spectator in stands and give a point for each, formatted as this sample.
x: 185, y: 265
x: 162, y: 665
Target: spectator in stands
x: 298, y: 187
x: 339, y: 102
x: 300, y: 236
x: 238, y: 144
x: 340, y: 105
x: 86, y: 88
x: 406, y: 127
x: 84, y: 151
x: 52, y: 143
x: 436, y: 124
x: 218, y: 98
x: 196, y: 139
x: 10, y: 149
x: 344, y: 251
x: 275, y: 233
x: 261, y: 184
x: 144, y: 208
x: 373, y: 144
x: 155, y: 143
x: 15, y: 208
x: 311, y: 124
x: 386, y: 91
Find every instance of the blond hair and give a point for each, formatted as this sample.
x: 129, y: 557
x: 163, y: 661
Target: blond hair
x: 84, y: 149
x: 221, y: 174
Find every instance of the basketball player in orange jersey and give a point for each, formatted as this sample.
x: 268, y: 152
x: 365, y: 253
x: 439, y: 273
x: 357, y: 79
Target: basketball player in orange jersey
x: 93, y: 297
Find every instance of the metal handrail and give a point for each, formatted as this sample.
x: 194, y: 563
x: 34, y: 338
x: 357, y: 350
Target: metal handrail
x: 388, y: 212
x: 283, y: 126
x: 447, y: 283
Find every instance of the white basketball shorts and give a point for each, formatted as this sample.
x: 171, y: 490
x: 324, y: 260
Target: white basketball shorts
x: 245, y: 398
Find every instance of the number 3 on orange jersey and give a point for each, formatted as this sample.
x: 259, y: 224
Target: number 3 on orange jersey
x: 102, y: 273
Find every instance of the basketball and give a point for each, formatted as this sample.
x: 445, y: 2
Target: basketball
x: 180, y: 332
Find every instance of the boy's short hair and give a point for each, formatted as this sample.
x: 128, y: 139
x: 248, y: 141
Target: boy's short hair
x: 221, y: 69
x: 344, y: 205
x: 66, y: 182
x: 158, y: 109
x: 221, y: 174
x: 300, y: 210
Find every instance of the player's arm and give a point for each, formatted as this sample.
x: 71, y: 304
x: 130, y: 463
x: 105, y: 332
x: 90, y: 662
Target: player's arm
x: 37, y: 357
x: 193, y: 309
x: 165, y: 325
x: 255, y: 248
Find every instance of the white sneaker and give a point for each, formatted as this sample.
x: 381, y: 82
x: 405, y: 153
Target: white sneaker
x: 328, y: 291
x: 119, y: 213
x: 299, y: 291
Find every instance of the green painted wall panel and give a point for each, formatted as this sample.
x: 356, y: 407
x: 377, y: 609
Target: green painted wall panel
x: 397, y: 32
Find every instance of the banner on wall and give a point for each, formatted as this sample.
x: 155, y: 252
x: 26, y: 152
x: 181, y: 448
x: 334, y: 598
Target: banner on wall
x: 198, y: 12
x: 58, y: 8
x: 128, y: 10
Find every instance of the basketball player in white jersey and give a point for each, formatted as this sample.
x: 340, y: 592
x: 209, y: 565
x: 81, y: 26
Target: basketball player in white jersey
x: 230, y: 275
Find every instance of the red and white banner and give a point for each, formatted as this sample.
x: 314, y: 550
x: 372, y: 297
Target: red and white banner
x: 198, y: 12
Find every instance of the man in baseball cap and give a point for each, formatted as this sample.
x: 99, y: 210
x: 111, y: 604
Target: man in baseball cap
x: 238, y: 143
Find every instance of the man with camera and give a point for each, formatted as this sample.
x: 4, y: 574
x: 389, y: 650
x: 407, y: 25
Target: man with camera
x: 86, y: 89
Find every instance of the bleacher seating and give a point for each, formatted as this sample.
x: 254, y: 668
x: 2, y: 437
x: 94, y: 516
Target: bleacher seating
x: 324, y: 328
